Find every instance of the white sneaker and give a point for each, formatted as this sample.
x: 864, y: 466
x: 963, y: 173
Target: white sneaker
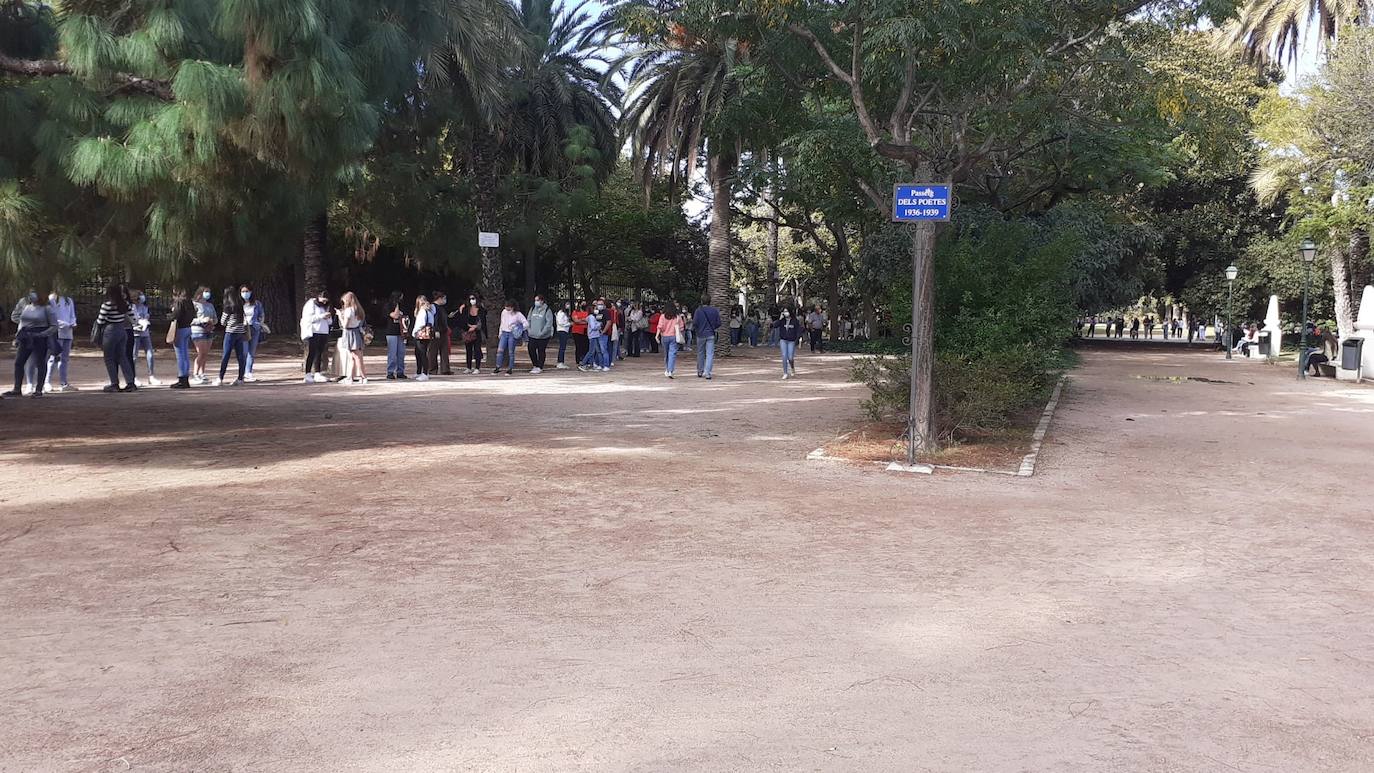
x: 422, y: 377
x: 666, y: 373
x: 67, y: 388
x: 605, y: 370
x: 363, y: 382
x: 786, y: 376
x: 250, y: 378
x: 216, y: 382
x: 309, y: 379
x: 562, y: 366
x: 236, y: 382
x: 153, y: 381
x: 536, y: 371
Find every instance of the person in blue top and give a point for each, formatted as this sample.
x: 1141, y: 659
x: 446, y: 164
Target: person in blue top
x: 705, y: 323
x: 254, y: 314
x: 142, y: 331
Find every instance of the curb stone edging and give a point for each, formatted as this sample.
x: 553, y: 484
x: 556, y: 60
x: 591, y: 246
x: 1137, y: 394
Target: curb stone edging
x: 1041, y: 429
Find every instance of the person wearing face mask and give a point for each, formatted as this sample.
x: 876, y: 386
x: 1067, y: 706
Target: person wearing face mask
x: 142, y: 332
x: 396, y: 328
x: 654, y: 319
x: 634, y: 329
x: 439, y: 347
x: 513, y: 328
x: 202, y: 330
x: 60, y: 358
x: 563, y: 329
x: 789, y: 331
x: 315, y: 318
x: 254, y: 317
x: 37, y: 329
x: 473, y: 322
x: 183, y: 312
x: 581, y: 343
x: 235, y: 336
x: 596, y: 351
x: 541, y: 327
x: 112, y: 331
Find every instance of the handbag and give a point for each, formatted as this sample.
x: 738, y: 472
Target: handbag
x: 172, y: 333
x: 681, y: 334
x: 425, y: 333
x: 469, y: 336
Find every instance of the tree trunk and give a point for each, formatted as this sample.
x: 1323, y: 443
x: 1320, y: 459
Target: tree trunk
x: 838, y: 257
x: 721, y: 167
x: 771, y: 250
x: 312, y: 255
x: 921, y: 422
x: 493, y: 288
x: 274, y: 291
x: 1340, y: 288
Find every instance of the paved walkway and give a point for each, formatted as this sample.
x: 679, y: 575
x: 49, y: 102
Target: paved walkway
x: 581, y: 573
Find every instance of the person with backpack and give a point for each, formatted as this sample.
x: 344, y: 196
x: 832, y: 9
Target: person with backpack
x: 789, y: 333
x: 514, y: 325
x: 396, y: 327
x: 541, y: 328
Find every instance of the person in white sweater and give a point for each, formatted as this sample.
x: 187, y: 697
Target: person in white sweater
x: 513, y: 328
x: 315, y: 318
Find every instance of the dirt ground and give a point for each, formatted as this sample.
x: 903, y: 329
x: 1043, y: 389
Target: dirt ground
x: 580, y: 572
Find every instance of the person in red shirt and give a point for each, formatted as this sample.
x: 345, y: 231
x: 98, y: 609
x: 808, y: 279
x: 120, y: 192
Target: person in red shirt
x: 653, y: 330
x: 579, y: 330
x: 613, y: 331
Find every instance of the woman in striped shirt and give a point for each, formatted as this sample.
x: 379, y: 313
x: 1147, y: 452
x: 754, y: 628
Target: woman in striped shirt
x: 113, y: 324
x: 235, y: 335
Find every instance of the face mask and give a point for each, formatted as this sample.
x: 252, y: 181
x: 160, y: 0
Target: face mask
x: 246, y: 294
x: 33, y: 296
x: 205, y: 296
x: 785, y: 315
x: 539, y: 302
x: 142, y: 298
x: 472, y: 301
x: 322, y: 301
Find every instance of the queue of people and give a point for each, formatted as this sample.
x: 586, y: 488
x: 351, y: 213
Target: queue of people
x: 596, y: 333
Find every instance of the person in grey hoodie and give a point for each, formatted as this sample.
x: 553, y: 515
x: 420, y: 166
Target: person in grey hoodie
x: 541, y: 319
x: 37, y: 322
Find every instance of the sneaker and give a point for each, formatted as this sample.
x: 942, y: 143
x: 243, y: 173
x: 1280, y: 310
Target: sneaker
x: 666, y: 373
x: 129, y: 388
x: 786, y: 376
x: 671, y: 376
x: 562, y: 366
x: 402, y: 377
x: 363, y: 382
x: 582, y: 368
x: 605, y: 370
x: 510, y: 371
x: 217, y: 382
x: 236, y: 382
x: 391, y: 377
x: 422, y: 377
x: 708, y: 376
x: 67, y: 388
x: 496, y: 371
x: 536, y: 371
x: 309, y: 379
x: 12, y: 393
x: 109, y: 388
x: 250, y: 378
x: 36, y: 393
x: 153, y: 381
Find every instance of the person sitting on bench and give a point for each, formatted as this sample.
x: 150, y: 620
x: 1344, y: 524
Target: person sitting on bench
x: 1249, y: 339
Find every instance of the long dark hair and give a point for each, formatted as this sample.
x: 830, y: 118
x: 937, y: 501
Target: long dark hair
x: 670, y: 310
x: 232, y: 305
x: 116, y: 296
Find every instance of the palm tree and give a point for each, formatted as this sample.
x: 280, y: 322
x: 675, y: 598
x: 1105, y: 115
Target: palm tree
x: 1271, y: 28
x: 679, y: 91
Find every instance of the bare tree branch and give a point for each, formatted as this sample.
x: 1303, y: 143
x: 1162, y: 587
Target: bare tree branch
x: 46, y: 68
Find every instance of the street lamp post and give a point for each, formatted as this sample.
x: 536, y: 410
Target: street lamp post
x: 1308, y: 251
x: 1231, y: 273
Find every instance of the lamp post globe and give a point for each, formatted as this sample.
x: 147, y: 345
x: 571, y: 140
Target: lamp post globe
x: 1231, y: 273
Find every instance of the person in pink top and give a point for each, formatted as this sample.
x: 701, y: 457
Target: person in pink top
x: 670, y: 333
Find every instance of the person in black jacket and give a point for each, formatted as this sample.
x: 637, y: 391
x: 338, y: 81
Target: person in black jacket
x: 472, y: 322
x: 438, y: 348
x: 396, y: 328
x: 789, y: 330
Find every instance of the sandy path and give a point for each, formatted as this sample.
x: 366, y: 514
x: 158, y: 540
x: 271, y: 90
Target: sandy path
x: 572, y: 572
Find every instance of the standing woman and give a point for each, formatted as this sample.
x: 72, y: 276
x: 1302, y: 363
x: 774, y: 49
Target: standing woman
x: 183, y: 313
x: 235, y: 335
x: 397, y: 325
x: 202, y: 330
x: 60, y: 358
x: 111, y: 327
x: 143, y: 331
x: 424, y: 336
x: 254, y: 314
x: 789, y: 332
x: 37, y: 327
x: 315, y: 319
x: 351, y: 318
x: 563, y: 325
x: 513, y: 327
x: 579, y: 331
x: 541, y: 327
x: 473, y: 322
x: 635, y: 325
x: 669, y: 333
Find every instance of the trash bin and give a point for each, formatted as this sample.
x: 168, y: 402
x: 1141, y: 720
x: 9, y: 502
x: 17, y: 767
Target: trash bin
x: 1265, y: 347
x: 1351, y: 351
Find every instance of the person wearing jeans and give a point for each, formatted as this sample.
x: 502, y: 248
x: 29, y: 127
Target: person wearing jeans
x: 789, y: 332
x: 396, y: 325
x: 59, y: 359
x: 254, y: 313
x: 114, y: 339
x: 37, y: 326
x: 705, y: 323
x: 182, y: 315
x: 235, y: 336
x: 142, y: 332
x: 595, y: 357
x: 513, y: 327
x: 563, y: 329
x: 670, y: 325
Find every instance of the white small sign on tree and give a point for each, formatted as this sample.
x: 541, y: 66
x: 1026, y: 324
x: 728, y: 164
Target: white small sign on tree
x: 488, y: 239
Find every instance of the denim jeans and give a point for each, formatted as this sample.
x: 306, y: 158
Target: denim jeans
x: 236, y: 344
x: 114, y: 346
x: 773, y: 337
x: 253, y: 335
x: 670, y: 353
x: 609, y: 348
x: 182, y: 344
x: 505, y: 350
x: 59, y: 360
x: 753, y: 332
x: 396, y: 355
x: 144, y: 342
x: 706, y: 354
x: 562, y: 345
x: 596, y: 353
x: 735, y: 333
x: 32, y: 346
x: 789, y: 355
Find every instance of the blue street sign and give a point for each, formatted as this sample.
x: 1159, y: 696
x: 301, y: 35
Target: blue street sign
x: 914, y: 203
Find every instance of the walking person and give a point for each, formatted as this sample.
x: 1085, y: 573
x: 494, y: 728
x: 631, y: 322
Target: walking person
x: 37, y: 329
x: 111, y: 330
x: 563, y: 329
x: 513, y: 327
x: 473, y: 322
x: 202, y: 331
x: 254, y: 318
x: 541, y: 329
x: 705, y: 323
x: 815, y: 323
x: 581, y: 342
x: 351, y: 320
x: 789, y: 333
x: 1135, y: 327
x: 669, y: 331
x: 179, y: 335
x: 396, y: 327
x: 439, y: 346
x: 423, y: 337
x: 315, y: 320
x: 142, y: 332
x: 235, y: 336
x: 60, y: 358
